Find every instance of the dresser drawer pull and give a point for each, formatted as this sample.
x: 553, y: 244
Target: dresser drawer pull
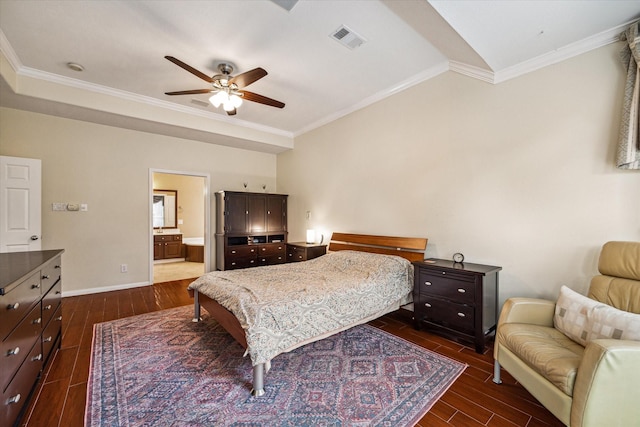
x: 462, y: 291
x: 426, y: 304
x: 48, y: 339
x: 36, y: 358
x: 427, y: 283
x: 57, y: 266
x: 13, y: 306
x: 233, y: 252
x: 45, y: 276
x: 36, y: 321
x: 14, y: 399
x: 36, y: 286
x: 461, y: 315
x: 233, y: 263
x: 58, y: 292
x: 59, y: 318
x: 13, y: 351
x: 47, y: 307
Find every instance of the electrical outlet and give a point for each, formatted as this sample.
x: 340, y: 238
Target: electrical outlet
x: 123, y: 268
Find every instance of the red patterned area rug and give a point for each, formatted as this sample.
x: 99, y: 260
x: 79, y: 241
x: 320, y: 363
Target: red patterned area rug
x: 161, y: 369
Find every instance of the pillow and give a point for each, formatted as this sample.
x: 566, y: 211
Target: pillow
x: 571, y: 315
x: 583, y: 319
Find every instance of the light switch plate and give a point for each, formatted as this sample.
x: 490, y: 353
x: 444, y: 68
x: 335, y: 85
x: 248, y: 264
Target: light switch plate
x: 58, y: 206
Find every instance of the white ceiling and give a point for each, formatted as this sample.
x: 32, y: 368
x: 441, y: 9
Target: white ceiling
x: 122, y: 45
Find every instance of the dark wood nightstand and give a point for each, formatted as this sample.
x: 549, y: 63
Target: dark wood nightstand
x: 301, y: 251
x: 459, y: 301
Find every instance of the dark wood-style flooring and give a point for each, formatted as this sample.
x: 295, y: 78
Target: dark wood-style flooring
x: 473, y: 400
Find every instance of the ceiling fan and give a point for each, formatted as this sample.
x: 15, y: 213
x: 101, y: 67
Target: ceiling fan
x: 227, y: 89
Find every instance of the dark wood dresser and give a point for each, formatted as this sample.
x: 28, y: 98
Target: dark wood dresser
x: 459, y: 301
x: 251, y: 229
x: 301, y: 251
x: 30, y: 324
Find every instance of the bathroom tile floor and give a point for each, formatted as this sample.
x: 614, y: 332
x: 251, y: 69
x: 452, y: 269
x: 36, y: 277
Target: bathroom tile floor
x: 168, y: 272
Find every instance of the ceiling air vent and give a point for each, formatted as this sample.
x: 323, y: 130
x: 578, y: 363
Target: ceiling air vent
x: 344, y: 35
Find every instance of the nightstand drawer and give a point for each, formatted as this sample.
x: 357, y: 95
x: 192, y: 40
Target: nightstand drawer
x: 448, y: 314
x: 455, y: 287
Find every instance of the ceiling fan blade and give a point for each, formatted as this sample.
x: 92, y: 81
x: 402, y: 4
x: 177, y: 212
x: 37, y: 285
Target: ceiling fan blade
x: 245, y: 79
x: 232, y: 112
x: 190, y: 69
x: 250, y: 96
x: 190, y: 92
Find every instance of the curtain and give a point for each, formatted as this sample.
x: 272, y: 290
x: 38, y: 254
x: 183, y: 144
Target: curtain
x: 628, y: 155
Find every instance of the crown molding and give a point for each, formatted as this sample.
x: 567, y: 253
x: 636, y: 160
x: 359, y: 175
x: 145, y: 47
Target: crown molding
x: 405, y: 84
x: 472, y: 71
x: 569, y: 51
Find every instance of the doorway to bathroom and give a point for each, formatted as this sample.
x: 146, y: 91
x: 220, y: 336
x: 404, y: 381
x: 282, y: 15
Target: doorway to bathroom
x: 179, y: 218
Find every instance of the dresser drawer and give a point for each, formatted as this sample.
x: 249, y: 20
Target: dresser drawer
x: 51, y: 301
x: 271, y: 259
x: 233, y: 263
x: 17, y: 302
x: 51, y: 332
x: 272, y: 249
x: 50, y: 274
x: 16, y: 394
x: 296, y: 254
x: 447, y: 313
x: 14, y: 348
x: 241, y: 251
x: 455, y: 287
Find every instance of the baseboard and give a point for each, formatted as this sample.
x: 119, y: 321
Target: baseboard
x: 104, y: 289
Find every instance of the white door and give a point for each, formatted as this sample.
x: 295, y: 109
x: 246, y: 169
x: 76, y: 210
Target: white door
x: 20, y: 204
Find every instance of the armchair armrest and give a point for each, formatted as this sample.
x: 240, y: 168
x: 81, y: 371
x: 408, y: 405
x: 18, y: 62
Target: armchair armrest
x: 533, y: 311
x: 606, y: 387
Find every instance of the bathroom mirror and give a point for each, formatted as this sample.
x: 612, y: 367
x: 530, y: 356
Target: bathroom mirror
x: 165, y: 208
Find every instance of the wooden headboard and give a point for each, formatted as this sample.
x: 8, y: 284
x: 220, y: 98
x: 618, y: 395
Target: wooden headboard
x: 411, y: 248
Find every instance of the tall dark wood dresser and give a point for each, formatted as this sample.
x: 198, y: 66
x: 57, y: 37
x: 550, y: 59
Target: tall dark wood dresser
x: 30, y: 324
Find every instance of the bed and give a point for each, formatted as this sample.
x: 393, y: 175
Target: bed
x: 274, y: 309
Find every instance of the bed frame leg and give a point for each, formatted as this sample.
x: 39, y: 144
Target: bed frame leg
x: 496, y: 372
x: 196, y: 308
x: 258, y: 380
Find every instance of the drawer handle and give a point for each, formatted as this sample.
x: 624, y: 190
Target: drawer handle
x: 444, y: 272
x: 13, y: 351
x: 462, y: 291
x: 48, y: 339
x: 427, y: 283
x: 252, y: 261
x: 461, y: 315
x: 13, y: 306
x: 233, y: 252
x: 36, y: 286
x: 45, y: 276
x: 36, y: 358
x: 426, y: 304
x: 36, y: 321
x: 233, y: 263
x: 57, y: 266
x: 14, y: 399
x: 58, y: 292
x: 59, y: 318
x: 47, y: 307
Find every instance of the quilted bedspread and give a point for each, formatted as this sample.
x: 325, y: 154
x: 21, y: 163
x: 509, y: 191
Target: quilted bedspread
x: 283, y: 306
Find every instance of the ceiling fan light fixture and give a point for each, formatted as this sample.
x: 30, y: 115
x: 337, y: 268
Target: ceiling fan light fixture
x: 219, y: 98
x: 235, y: 100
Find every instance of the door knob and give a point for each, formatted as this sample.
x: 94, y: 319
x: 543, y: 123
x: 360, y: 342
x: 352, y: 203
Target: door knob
x: 34, y: 237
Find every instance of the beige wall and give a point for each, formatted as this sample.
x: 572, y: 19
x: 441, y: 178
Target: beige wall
x: 519, y: 174
x: 108, y: 168
x: 190, y: 200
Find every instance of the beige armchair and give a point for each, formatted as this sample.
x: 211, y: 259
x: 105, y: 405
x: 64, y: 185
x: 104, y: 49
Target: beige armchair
x: 597, y: 384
